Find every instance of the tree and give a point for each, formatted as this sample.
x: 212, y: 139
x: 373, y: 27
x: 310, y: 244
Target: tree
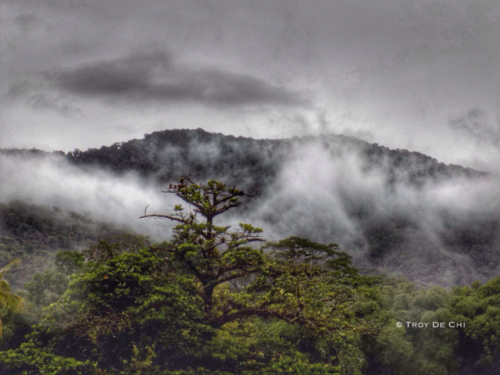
x: 302, y: 282
x: 212, y: 253
x: 294, y: 281
x: 7, y: 298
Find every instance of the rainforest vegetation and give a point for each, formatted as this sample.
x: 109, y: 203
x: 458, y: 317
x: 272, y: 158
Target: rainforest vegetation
x: 215, y: 299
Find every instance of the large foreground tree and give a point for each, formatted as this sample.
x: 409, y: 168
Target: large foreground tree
x: 213, y: 254
x: 295, y: 280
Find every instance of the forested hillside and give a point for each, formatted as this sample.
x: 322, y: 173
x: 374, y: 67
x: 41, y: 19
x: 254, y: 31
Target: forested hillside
x: 33, y: 233
x: 165, y: 155
x: 396, y: 210
x: 168, y: 154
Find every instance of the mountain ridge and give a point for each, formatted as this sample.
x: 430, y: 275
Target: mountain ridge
x: 396, y: 210
x: 147, y: 157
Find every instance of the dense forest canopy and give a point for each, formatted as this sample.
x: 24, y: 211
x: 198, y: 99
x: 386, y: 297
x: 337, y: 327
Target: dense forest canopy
x: 213, y: 299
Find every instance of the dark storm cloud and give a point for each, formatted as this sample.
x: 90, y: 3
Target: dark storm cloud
x: 155, y: 77
x: 476, y: 125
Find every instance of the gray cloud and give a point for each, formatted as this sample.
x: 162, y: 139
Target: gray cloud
x: 26, y: 21
x: 392, y: 69
x: 39, y: 97
x: 476, y: 125
x: 155, y: 77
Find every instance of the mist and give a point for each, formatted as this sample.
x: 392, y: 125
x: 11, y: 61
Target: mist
x: 95, y: 192
x: 440, y: 231
x: 393, y: 213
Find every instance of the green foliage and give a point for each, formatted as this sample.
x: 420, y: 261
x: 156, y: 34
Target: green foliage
x: 8, y: 299
x: 478, y: 307
x: 409, y: 350
x: 33, y: 359
x: 113, y: 246
x: 33, y: 233
x: 14, y: 317
x: 209, y: 301
x: 47, y: 287
x: 68, y: 262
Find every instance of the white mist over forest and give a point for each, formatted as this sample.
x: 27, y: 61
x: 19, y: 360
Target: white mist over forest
x: 336, y: 198
x: 94, y: 192
x: 328, y: 194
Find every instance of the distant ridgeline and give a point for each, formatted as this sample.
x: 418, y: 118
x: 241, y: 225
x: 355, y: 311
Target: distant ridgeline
x: 165, y: 155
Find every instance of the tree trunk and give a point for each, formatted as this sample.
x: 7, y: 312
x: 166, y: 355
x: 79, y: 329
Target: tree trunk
x: 207, y: 298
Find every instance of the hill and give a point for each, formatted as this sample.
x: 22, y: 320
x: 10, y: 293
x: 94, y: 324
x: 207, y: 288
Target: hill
x: 395, y: 210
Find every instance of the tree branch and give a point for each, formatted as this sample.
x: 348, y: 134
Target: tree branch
x: 184, y: 221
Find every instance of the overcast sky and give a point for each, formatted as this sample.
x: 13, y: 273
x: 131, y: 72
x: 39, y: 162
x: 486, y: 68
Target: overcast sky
x: 417, y: 74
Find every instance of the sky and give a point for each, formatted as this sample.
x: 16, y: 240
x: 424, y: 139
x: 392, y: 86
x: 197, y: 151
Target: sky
x: 422, y: 75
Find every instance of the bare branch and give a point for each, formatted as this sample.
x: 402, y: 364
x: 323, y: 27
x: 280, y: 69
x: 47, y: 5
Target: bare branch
x: 164, y: 217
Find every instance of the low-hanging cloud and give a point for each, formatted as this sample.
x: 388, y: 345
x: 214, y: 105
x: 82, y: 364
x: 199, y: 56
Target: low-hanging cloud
x: 438, y: 228
x: 155, y: 77
x: 477, y: 134
x: 53, y: 182
x: 476, y: 125
x: 442, y: 231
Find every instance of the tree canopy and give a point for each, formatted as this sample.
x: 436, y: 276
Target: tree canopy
x: 213, y: 299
